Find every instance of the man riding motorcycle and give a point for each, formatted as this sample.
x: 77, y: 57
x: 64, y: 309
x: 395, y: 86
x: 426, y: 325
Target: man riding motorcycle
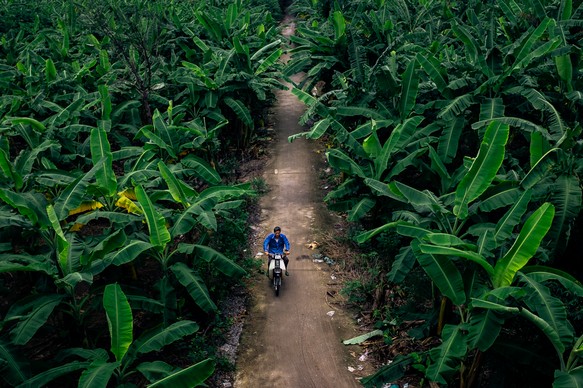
x: 276, y: 242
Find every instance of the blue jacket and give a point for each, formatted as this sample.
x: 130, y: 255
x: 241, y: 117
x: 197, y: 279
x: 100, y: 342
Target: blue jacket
x: 272, y: 246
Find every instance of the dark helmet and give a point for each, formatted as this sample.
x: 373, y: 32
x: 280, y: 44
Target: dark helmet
x: 277, y: 228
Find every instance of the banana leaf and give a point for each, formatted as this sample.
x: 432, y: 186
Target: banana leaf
x: 341, y: 161
x: 44, y: 378
x: 484, y: 329
x: 443, y: 273
x: 119, y: 319
x: 155, y: 340
x: 569, y: 379
x: 63, y: 245
x: 173, y: 184
x: 100, y: 149
x: 240, y: 110
x: 32, y: 313
x: 402, y: 265
x: 217, y: 259
x: 449, y: 251
x: 446, y: 357
x: 361, y: 208
x: 483, y: 169
x: 436, y: 72
x: 30, y: 205
x: 542, y: 168
x: 75, y: 192
x: 525, y: 246
x: 549, y: 308
x: 195, y: 287
x: 202, y: 168
x: 567, y: 198
x: 192, y: 376
x: 159, y: 235
x: 98, y: 374
x: 269, y: 61
x: 541, y: 273
x: 511, y: 218
x: 409, y: 89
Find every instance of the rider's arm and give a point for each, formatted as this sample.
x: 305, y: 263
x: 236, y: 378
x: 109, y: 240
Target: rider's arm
x: 266, y: 243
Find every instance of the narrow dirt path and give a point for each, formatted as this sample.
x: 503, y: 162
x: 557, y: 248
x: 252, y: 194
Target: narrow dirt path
x: 294, y: 340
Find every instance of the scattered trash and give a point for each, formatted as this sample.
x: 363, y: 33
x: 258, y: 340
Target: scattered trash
x: 330, y: 313
x: 406, y: 385
x: 361, y: 338
x: 328, y: 260
x: 317, y: 255
x: 363, y: 357
x: 360, y: 367
x: 275, y: 171
x: 351, y: 369
x: 318, y: 261
x: 332, y: 277
x: 312, y: 245
x: 259, y: 254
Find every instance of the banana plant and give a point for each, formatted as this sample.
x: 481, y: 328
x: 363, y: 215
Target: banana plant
x: 96, y: 364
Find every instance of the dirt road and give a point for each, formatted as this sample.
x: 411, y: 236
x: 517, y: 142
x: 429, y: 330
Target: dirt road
x: 294, y: 340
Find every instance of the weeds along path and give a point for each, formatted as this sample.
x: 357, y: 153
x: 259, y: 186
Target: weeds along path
x: 291, y: 341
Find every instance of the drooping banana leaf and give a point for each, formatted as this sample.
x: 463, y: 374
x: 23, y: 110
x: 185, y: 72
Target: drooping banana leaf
x: 75, y: 192
x: 159, y: 338
x: 569, y: 379
x: 541, y: 274
x: 511, y: 218
x: 361, y: 208
x: 341, y: 161
x: 29, y: 204
x: 44, y: 378
x: 32, y: 313
x: 119, y: 319
x: 210, y: 255
x: 484, y: 328
x: 450, y: 251
x: 483, y: 169
x: 195, y: 286
x: 525, y: 246
x: 240, y: 110
x: 446, y: 357
x: 549, y: 308
x: 192, y: 376
x: 542, y: 168
x: 443, y: 273
x: 159, y: 235
x: 402, y: 265
x: 174, y: 185
x: 567, y: 198
x: 436, y: 72
x: 98, y: 374
x: 202, y: 168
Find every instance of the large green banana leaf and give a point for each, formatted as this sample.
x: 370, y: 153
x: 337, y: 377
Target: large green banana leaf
x: 157, y: 339
x: 570, y: 379
x: 542, y: 168
x: 31, y: 205
x: 361, y: 208
x: 541, y: 273
x: 63, y: 245
x: 193, y: 376
x: 173, y: 184
x: 202, y: 168
x: 31, y: 316
x: 217, y: 259
x: 446, y: 357
x: 101, y: 149
x: 525, y: 246
x: 443, y: 273
x: 409, y: 89
x: 119, y: 319
x: 75, y: 192
x: 484, y: 328
x: 483, y: 169
x: 159, y: 235
x: 98, y: 374
x: 549, y: 308
x: 511, y: 218
x: 195, y: 287
x: 449, y: 251
x: 567, y: 198
x: 44, y: 378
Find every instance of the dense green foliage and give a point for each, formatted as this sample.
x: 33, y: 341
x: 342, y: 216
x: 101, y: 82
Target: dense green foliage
x: 116, y: 119
x: 457, y: 127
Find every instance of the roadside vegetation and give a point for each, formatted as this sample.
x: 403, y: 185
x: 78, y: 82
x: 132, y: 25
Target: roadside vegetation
x: 122, y: 223
x: 454, y: 130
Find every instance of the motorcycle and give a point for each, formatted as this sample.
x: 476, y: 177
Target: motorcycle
x: 276, y: 271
